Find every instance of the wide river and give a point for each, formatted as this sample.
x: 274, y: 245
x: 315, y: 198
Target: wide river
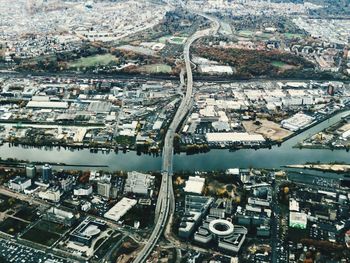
x: 213, y: 160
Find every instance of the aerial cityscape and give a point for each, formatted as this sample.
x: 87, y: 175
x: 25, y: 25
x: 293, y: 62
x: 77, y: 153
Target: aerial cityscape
x: 179, y: 131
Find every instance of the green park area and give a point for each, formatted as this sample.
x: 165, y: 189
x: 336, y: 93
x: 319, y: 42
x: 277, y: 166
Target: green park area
x: 246, y: 33
x: 12, y: 226
x: 93, y: 61
x: 45, y: 233
x: 156, y: 68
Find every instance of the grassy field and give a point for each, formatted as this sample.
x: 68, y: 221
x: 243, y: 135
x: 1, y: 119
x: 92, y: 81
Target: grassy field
x: 12, y: 226
x: 246, y: 33
x: 278, y: 64
x: 291, y: 36
x: 281, y: 65
x: 93, y: 61
x: 27, y: 213
x: 45, y: 233
x: 164, y: 39
x: 156, y: 68
x: 178, y: 40
x: 40, y: 236
x: 8, y: 203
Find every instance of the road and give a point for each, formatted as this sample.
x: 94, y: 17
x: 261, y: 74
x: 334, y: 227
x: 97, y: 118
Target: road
x: 166, y: 200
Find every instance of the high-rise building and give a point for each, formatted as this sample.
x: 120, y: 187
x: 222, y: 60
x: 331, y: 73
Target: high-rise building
x: 46, y: 173
x: 104, y: 189
x: 30, y: 171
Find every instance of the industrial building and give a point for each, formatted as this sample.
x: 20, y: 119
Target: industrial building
x: 234, y: 137
x: 48, y: 105
x: 297, y: 122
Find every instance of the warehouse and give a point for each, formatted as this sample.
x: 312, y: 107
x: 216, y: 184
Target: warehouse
x: 47, y: 105
x: 297, y: 122
x: 223, y: 137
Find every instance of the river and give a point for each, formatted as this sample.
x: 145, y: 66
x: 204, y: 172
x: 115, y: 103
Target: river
x: 213, y: 160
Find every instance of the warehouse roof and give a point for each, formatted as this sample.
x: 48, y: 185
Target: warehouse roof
x: 233, y: 137
x: 48, y: 104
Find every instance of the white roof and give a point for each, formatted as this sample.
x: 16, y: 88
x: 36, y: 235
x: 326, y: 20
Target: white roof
x: 120, y: 209
x: 47, y: 104
x: 195, y: 185
x: 233, y: 137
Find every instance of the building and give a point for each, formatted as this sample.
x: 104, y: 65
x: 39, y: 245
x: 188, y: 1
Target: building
x: 297, y: 220
x: 258, y: 202
x: 195, y: 185
x: 46, y: 173
x: 47, y: 105
x: 138, y: 183
x: 53, y: 195
x: 20, y: 184
x: 104, y: 189
x: 60, y: 216
x: 30, y: 171
x: 82, y: 190
x: 67, y: 183
x: 120, y: 209
x: 87, y: 231
x: 263, y: 231
x: 223, y: 233
x: 347, y: 239
x: 297, y: 122
x: 196, y: 207
x: 234, y: 137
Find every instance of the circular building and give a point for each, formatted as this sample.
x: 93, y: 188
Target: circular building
x: 221, y: 228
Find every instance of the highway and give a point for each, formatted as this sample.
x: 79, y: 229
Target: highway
x: 166, y: 200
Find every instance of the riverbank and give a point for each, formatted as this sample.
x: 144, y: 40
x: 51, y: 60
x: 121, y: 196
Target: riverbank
x: 216, y: 159
x: 335, y: 168
x: 10, y: 162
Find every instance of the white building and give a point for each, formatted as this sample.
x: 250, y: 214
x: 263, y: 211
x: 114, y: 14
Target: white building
x: 138, y: 183
x: 224, y: 137
x: 297, y: 122
x: 120, y: 209
x: 47, y: 105
x: 20, y: 184
x: 297, y: 220
x: 53, y: 195
x: 104, y: 189
x: 83, y: 190
x: 194, y: 184
x: 30, y: 171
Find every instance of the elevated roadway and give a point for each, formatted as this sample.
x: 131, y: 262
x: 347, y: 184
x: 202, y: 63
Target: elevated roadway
x: 166, y: 201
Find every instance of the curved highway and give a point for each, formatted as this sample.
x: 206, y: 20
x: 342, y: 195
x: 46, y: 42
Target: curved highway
x: 166, y: 201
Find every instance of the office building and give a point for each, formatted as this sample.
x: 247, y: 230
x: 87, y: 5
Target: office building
x: 46, y: 173
x: 20, y: 184
x: 104, y: 189
x: 138, y: 183
x: 30, y: 171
